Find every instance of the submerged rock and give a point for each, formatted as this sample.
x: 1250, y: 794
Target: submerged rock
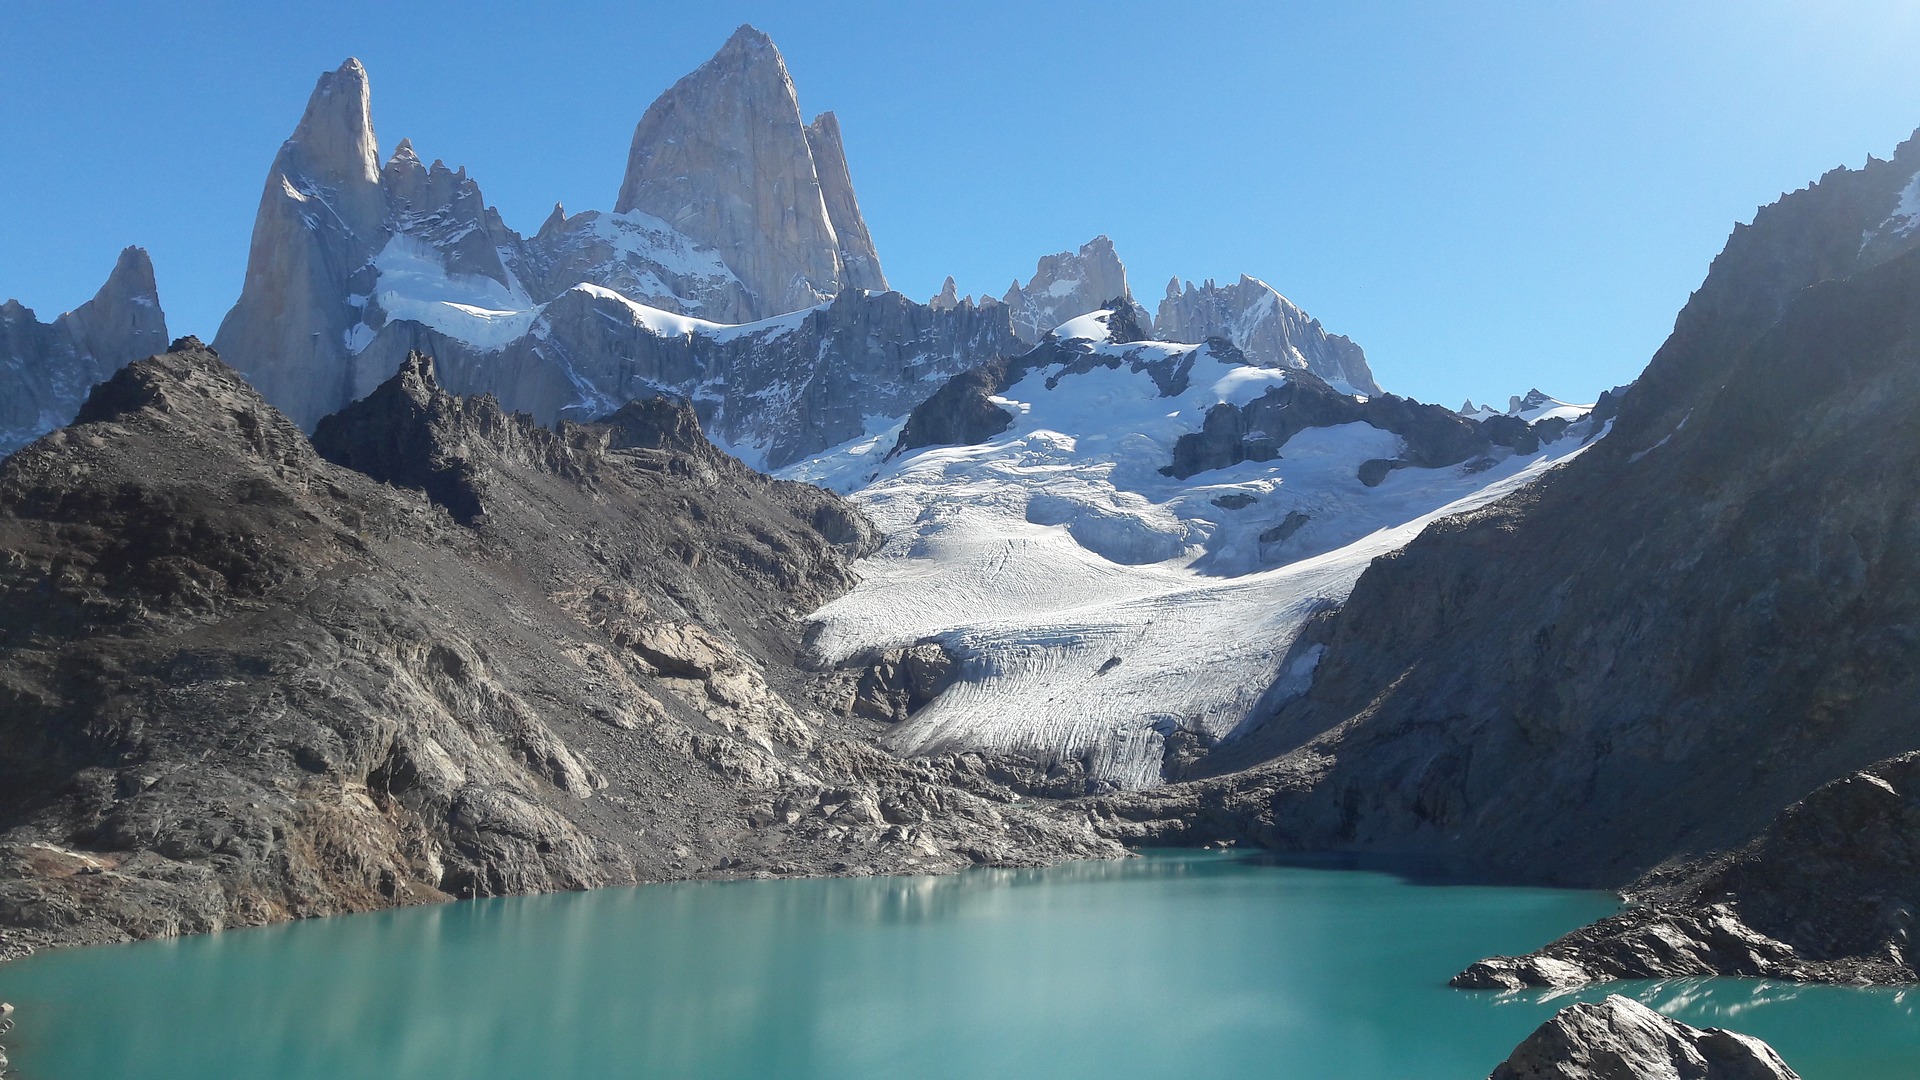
x: 1619, y: 1039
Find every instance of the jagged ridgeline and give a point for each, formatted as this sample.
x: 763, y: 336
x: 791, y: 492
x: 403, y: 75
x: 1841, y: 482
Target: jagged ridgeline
x: 735, y: 270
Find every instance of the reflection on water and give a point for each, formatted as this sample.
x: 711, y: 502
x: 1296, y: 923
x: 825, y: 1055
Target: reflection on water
x: 1173, y: 965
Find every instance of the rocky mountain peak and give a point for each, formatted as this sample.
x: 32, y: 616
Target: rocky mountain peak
x: 725, y: 158
x: 47, y: 369
x: 1067, y: 285
x: 333, y: 148
x: 1123, y: 322
x: 859, y: 262
x: 1268, y: 327
x: 949, y: 297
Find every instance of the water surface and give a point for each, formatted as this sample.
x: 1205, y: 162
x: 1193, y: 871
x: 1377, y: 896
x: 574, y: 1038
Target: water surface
x: 1168, y: 966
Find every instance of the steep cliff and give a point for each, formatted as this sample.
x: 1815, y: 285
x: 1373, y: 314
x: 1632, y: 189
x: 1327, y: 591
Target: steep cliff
x: 725, y: 158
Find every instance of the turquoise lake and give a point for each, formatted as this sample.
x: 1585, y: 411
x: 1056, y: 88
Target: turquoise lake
x: 1173, y: 965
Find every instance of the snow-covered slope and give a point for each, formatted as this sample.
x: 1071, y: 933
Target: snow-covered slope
x: 1098, y: 604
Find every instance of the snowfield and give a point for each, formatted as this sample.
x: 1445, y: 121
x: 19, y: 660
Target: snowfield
x: 1097, y: 605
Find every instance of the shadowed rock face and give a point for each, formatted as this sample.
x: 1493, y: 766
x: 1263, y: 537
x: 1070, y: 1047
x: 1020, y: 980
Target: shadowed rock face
x: 1826, y: 893
x: 240, y: 683
x: 46, y: 369
x: 1620, y: 1039
x: 1653, y: 650
x: 1433, y: 435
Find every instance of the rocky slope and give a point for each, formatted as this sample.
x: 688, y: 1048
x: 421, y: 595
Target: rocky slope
x: 46, y: 369
x: 1620, y: 1039
x: 242, y: 683
x: 1650, y: 653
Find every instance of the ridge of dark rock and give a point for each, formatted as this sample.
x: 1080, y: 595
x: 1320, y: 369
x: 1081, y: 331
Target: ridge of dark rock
x: 240, y: 683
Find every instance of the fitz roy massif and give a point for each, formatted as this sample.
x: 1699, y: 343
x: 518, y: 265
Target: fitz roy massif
x: 668, y: 542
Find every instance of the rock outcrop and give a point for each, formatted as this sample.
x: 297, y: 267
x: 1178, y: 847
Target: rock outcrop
x: 1264, y: 325
x: 1826, y: 893
x: 1431, y: 435
x: 725, y: 158
x: 46, y: 369
x: 240, y: 683
x: 1621, y: 1039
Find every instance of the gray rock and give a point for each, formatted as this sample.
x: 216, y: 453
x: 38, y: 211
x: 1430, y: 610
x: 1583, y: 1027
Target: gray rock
x: 725, y: 158
x: 1827, y: 892
x: 1264, y: 325
x: 322, y: 219
x: 1067, y: 286
x: 1620, y: 1039
x: 46, y: 369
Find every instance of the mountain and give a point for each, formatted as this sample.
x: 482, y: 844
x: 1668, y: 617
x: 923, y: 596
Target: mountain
x: 438, y: 652
x: 1066, y: 286
x: 725, y: 158
x: 736, y: 272
x: 1650, y: 654
x: 1118, y: 540
x: 1264, y: 325
x: 46, y: 369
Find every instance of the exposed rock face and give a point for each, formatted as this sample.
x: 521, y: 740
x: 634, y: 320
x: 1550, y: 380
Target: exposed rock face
x: 240, y: 683
x: 1066, y: 286
x: 1652, y: 651
x: 46, y: 369
x: 859, y: 262
x: 1827, y: 893
x: 1621, y: 1039
x: 1431, y: 434
x: 725, y: 158
x: 322, y: 219
x: 962, y: 412
x: 1264, y: 325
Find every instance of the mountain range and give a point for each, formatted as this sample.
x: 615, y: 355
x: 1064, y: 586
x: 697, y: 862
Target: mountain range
x: 668, y: 541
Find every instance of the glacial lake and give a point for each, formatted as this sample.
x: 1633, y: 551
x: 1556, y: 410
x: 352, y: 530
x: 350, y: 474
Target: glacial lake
x: 1173, y: 965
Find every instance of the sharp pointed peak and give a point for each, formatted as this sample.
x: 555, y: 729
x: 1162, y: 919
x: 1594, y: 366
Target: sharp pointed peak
x: 132, y: 273
x: 748, y: 36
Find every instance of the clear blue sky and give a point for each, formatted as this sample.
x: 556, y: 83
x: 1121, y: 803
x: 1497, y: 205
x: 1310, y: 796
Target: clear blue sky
x: 1486, y: 196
